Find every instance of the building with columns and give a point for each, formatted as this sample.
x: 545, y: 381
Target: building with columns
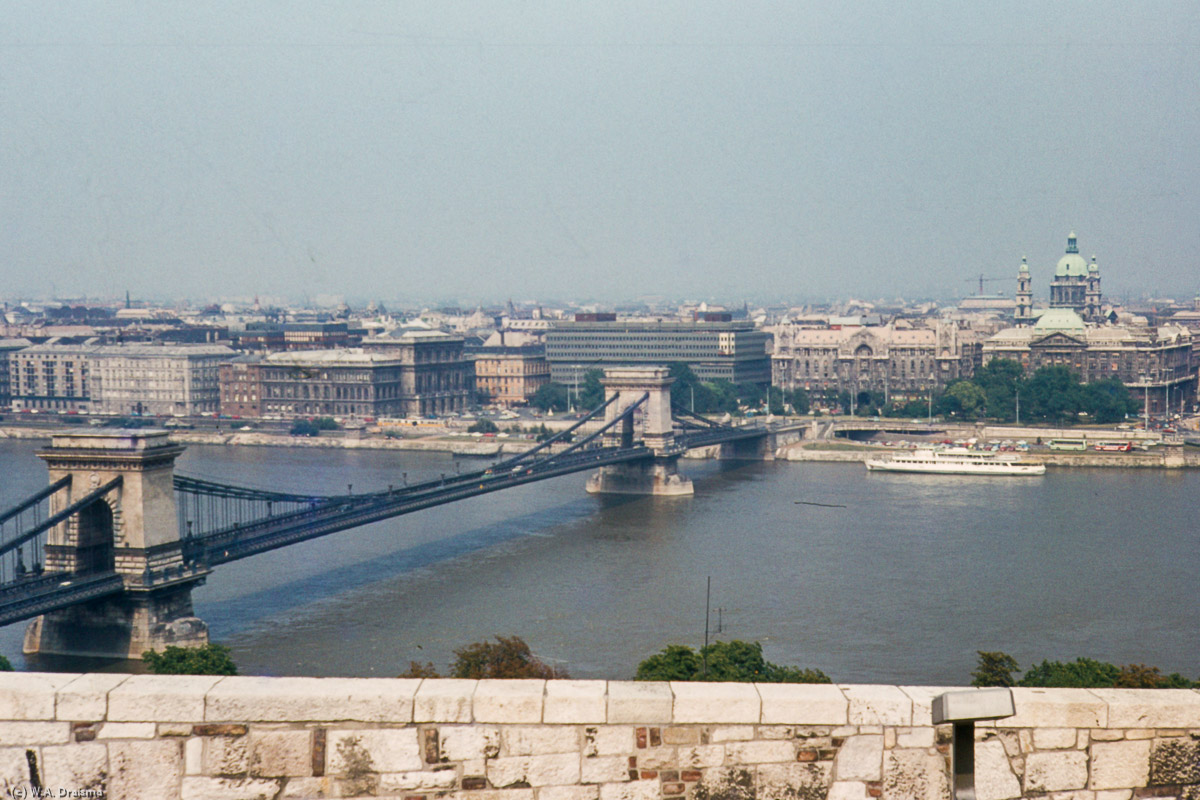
x: 1075, y: 286
x: 896, y: 359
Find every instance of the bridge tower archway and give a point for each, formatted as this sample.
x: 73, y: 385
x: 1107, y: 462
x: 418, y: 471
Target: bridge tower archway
x: 132, y: 531
x: 651, y: 424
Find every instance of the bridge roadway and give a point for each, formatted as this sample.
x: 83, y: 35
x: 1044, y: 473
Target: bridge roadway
x: 33, y: 595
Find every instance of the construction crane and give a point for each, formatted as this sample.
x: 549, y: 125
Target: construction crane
x: 982, y: 280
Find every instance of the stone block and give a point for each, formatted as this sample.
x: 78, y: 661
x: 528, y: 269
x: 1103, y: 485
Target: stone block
x: 760, y: 752
x: 144, y: 770
x: 1056, y: 771
x: 658, y: 758
x: 74, y: 767
x: 791, y: 781
x: 225, y: 755
x: 922, y: 701
x: 1161, y: 708
x: 257, y: 699
x: 1175, y: 761
x: 549, y: 770
x: 848, y: 790
x: 468, y: 742
x: 14, y: 766
x: 604, y: 769
x: 569, y: 793
x: 1115, y: 794
x: 444, y: 700
x: 161, y: 698
x: 509, y: 701
x: 715, y: 702
x: 1056, y: 708
x: 860, y: 759
x: 522, y: 741
x: 85, y: 698
x: 994, y: 778
x: 914, y: 737
x: 633, y: 790
x: 372, y: 750
x: 704, y: 756
x: 32, y: 733
x: 1120, y: 765
x: 306, y: 789
x: 493, y: 794
x: 193, y: 756
x: 127, y: 730
x: 29, y: 695
x: 280, y: 753
x: 803, y: 704
x: 611, y: 740
x: 877, y: 705
x: 915, y: 775
x: 576, y: 702
x: 1054, y: 738
x: 641, y: 702
x: 199, y: 788
x: 732, y: 733
x: 425, y: 780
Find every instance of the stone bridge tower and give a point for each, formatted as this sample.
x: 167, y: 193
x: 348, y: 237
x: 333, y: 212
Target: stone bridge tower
x: 651, y: 424
x: 132, y: 531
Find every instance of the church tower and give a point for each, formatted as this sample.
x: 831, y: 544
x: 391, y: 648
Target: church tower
x: 1092, y: 312
x: 1023, y: 313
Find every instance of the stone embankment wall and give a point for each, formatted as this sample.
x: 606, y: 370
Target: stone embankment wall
x: 238, y: 738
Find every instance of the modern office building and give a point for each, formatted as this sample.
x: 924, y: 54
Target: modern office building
x: 732, y: 351
x: 52, y: 376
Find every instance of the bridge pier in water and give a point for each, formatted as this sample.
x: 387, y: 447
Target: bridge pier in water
x: 656, y: 475
x: 133, y: 531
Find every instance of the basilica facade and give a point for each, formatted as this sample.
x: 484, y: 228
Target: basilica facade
x: 1075, y: 286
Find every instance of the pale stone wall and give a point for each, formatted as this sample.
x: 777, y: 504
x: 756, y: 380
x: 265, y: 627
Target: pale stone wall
x: 239, y: 738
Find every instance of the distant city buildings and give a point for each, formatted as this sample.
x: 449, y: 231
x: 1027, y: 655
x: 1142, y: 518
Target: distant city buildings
x: 510, y: 367
x: 897, y: 360
x: 713, y: 346
x: 1157, y: 363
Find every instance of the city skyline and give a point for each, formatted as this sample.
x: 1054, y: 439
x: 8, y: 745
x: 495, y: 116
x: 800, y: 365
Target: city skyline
x: 479, y: 152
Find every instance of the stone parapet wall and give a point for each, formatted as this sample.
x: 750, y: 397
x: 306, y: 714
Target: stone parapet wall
x: 242, y: 738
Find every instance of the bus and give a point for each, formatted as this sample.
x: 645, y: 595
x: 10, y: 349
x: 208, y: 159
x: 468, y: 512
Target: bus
x: 1114, y: 447
x: 1068, y: 444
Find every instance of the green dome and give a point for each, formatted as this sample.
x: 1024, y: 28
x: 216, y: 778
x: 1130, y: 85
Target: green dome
x: 1071, y: 265
x: 1059, y: 319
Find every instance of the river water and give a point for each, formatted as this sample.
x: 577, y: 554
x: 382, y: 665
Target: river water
x: 901, y: 585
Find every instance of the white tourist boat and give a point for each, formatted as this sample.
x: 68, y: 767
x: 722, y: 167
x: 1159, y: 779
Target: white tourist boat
x: 956, y: 461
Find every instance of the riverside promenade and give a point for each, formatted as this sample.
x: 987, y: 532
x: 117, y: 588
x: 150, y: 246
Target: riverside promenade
x: 145, y: 737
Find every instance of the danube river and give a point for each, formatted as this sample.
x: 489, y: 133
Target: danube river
x: 894, y: 579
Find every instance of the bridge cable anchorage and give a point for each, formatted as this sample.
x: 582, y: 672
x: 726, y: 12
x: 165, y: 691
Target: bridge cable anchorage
x: 54, y: 519
x: 35, y: 498
x: 625, y: 414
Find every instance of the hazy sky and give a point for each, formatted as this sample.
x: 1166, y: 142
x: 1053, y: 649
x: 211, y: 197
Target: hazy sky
x: 486, y: 150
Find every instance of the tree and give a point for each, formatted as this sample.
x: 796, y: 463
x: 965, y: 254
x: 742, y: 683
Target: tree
x: 303, y: 427
x: 550, y: 396
x: 994, y: 669
x: 800, y: 401
x: 5, y: 664
x: 326, y: 424
x: 722, y: 661
x: 1054, y: 395
x: 1108, y: 400
x: 483, y: 425
x: 507, y: 657
x: 1082, y: 673
x: 591, y: 391
x: 211, y: 659
x: 963, y: 398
